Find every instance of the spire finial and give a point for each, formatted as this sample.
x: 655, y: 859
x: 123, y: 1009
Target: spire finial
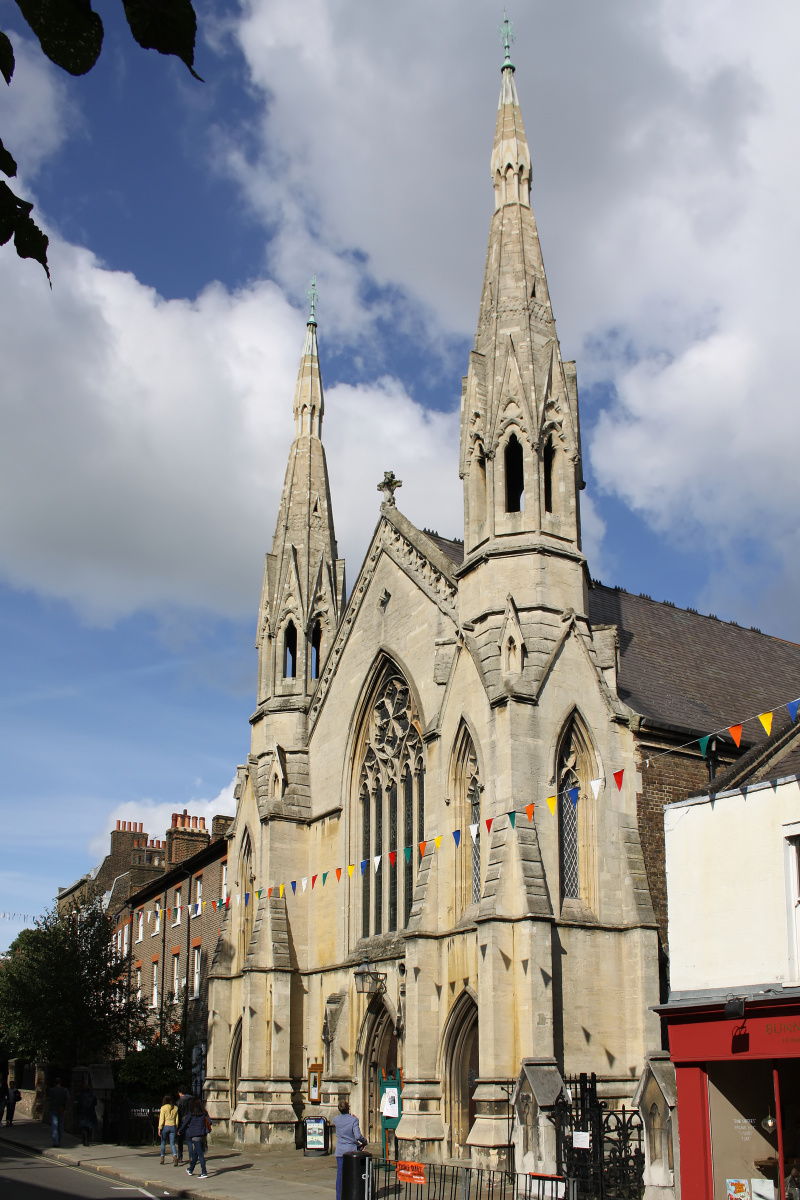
x: 506, y: 31
x: 389, y: 485
x: 313, y: 296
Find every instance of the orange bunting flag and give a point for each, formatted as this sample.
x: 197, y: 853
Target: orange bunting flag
x: 350, y: 868
x: 529, y: 811
x: 551, y: 804
x: 422, y: 846
x: 489, y: 824
x: 618, y: 779
x: 736, y: 733
x: 766, y: 721
x: 392, y: 856
x: 338, y: 874
x: 313, y: 881
x: 438, y: 841
x: 269, y: 893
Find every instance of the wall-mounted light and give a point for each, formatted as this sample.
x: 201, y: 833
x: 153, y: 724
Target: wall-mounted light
x: 734, y: 1007
x: 369, y: 982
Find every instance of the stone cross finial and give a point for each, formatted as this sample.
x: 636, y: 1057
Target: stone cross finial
x: 389, y: 486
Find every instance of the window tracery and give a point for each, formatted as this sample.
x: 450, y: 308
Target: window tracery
x: 392, y: 767
x: 467, y: 793
x: 576, y: 822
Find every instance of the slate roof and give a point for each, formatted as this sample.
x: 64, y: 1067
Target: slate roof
x: 689, y: 671
x: 777, y: 757
x: 694, y: 672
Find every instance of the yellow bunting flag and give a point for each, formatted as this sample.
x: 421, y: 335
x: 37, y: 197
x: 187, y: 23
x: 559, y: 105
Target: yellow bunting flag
x: 280, y: 893
x: 551, y: 803
x: 438, y: 841
x: 766, y: 721
x: 350, y: 868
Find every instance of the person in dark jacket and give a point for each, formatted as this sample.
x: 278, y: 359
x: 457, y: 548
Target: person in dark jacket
x: 14, y: 1097
x: 3, y: 1098
x: 58, y: 1100
x: 85, y: 1110
x: 348, y: 1137
x: 194, y: 1127
x: 184, y: 1104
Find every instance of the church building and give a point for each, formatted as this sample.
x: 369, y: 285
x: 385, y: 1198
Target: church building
x: 454, y: 775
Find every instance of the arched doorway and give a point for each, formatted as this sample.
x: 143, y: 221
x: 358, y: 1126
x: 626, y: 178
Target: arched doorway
x: 460, y: 1074
x: 236, y: 1067
x: 379, y: 1060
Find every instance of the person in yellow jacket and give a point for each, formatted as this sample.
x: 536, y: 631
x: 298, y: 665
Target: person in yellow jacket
x: 167, y: 1124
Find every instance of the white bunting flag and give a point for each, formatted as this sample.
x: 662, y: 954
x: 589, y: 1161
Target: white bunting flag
x: 304, y: 882
x: 238, y: 901
x: 474, y: 831
x: 595, y: 785
x: 377, y: 861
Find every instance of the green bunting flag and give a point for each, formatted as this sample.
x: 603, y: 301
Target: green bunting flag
x: 704, y: 743
x: 512, y: 820
x: 407, y: 852
x: 324, y: 877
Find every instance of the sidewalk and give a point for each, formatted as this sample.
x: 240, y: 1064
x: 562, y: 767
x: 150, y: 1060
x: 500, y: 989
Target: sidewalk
x: 233, y: 1174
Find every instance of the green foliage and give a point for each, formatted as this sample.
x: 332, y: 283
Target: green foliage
x: 70, y: 33
x: 163, y: 1065
x: 63, y: 991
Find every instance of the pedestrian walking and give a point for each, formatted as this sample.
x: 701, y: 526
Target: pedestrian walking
x: 348, y: 1137
x: 167, y: 1126
x: 86, y: 1110
x: 3, y: 1098
x: 184, y: 1102
x: 196, y: 1125
x: 58, y: 1099
x: 13, y: 1099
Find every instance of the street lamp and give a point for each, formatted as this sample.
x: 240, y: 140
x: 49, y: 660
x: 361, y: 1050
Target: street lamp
x: 369, y: 982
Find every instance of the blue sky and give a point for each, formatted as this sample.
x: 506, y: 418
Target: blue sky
x: 145, y: 413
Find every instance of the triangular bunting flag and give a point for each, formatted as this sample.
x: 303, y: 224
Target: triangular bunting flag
x: 304, y: 882
x: 736, y: 733
x: 258, y: 893
x: 474, y: 831
x: 793, y: 706
x: 438, y: 841
x: 551, y: 803
x: 269, y: 893
x: 313, y: 881
x: 422, y: 846
x: 618, y: 779
x: 704, y: 743
x: 407, y: 853
x: 489, y: 824
x: 213, y: 906
x: 766, y: 721
x: 457, y: 837
x: 281, y: 889
x: 392, y: 857
x: 595, y: 785
x: 377, y: 861
x: 228, y: 902
x: 350, y: 868
x: 325, y: 875
x: 246, y: 899
x: 294, y: 887
x: 363, y: 865
x: 512, y: 820
x: 529, y: 811
x: 338, y: 874
x: 573, y: 795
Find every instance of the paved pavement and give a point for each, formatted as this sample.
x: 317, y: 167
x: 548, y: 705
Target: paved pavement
x: 233, y: 1175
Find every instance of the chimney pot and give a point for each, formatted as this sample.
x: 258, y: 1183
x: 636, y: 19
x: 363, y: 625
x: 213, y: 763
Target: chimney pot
x: 174, y: 820
x: 141, y: 827
x: 117, y: 824
x: 202, y: 822
x: 194, y: 822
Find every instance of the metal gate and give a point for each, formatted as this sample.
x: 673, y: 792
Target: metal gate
x: 599, y: 1149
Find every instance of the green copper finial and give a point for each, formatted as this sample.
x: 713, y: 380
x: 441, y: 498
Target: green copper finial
x: 506, y: 31
x: 313, y: 296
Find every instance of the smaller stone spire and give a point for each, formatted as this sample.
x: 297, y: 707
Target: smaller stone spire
x: 309, y: 401
x: 511, y: 158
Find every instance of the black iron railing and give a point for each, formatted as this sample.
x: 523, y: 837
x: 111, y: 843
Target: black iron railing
x: 452, y: 1182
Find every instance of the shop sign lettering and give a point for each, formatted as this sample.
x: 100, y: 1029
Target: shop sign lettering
x: 410, y: 1172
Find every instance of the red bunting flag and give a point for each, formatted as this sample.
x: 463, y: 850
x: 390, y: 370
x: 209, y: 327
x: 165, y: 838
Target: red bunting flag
x: 489, y: 824
x: 529, y: 811
x: 338, y: 874
x: 618, y: 779
x: 736, y: 733
x: 313, y: 881
x: 269, y: 893
x: 392, y: 856
x: 422, y: 846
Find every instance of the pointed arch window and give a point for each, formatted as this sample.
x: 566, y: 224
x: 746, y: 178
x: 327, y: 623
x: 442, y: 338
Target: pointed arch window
x: 466, y: 787
x: 316, y: 648
x: 576, y: 819
x: 549, y: 464
x: 246, y: 910
x: 390, y: 753
x: 515, y: 475
x: 290, y: 651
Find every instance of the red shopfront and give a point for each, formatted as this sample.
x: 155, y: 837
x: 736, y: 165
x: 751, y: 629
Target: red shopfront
x: 738, y: 1086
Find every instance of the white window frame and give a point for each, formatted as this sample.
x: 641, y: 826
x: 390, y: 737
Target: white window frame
x: 140, y: 925
x: 125, y: 940
x: 791, y: 859
x: 157, y: 922
x: 197, y: 960
x: 138, y: 983
x: 177, y: 906
x: 224, y: 881
x: 176, y: 975
x: 154, y: 991
x: 198, y: 896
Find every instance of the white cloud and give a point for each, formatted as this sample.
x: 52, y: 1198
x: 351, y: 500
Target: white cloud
x: 157, y: 818
x: 38, y: 112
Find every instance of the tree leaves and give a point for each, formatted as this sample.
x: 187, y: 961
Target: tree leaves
x: 16, y: 221
x: 169, y: 26
x: 7, y: 164
x: 69, y: 32
x: 6, y: 57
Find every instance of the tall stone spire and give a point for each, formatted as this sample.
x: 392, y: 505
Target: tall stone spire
x: 304, y: 581
x: 520, y: 436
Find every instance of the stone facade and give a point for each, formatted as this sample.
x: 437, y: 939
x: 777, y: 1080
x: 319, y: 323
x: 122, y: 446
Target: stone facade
x: 457, y: 685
